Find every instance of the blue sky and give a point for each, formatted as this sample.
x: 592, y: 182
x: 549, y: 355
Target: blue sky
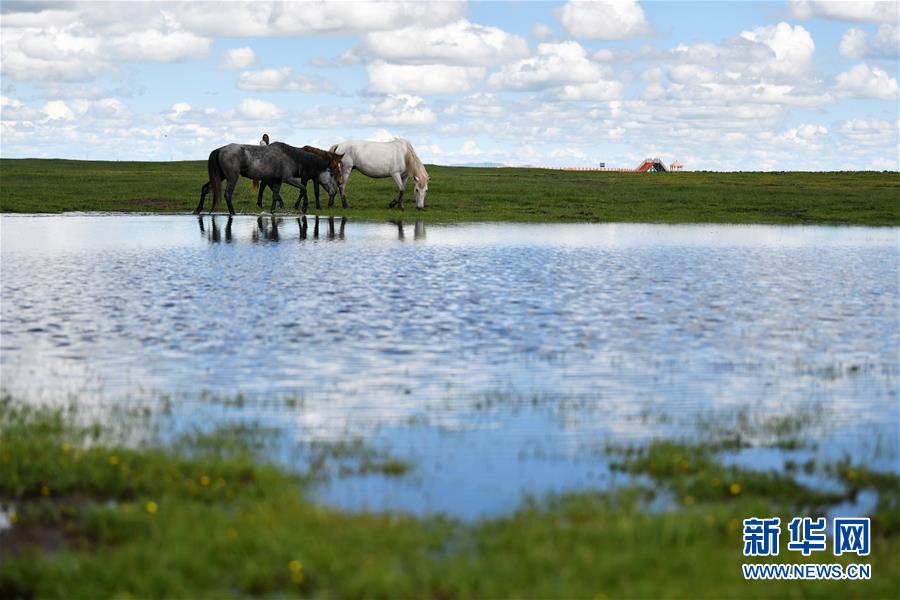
x: 717, y: 85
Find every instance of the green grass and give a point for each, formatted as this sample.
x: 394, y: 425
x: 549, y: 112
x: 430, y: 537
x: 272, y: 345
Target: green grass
x: 208, y: 518
x: 483, y: 194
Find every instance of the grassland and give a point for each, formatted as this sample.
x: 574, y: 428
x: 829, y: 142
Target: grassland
x: 483, y: 194
x: 206, y: 517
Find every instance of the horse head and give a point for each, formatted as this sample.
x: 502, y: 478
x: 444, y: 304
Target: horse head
x: 421, y: 189
x: 336, y: 165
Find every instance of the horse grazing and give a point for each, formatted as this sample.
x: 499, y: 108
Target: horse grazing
x: 272, y: 165
x: 395, y: 159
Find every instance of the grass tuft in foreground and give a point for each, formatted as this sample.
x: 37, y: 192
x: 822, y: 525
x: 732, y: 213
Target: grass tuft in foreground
x: 92, y: 519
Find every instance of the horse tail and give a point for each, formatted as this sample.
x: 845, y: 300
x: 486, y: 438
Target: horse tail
x: 215, y: 176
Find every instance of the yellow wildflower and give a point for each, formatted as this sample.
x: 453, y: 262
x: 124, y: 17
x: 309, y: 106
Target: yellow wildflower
x: 297, y: 577
x: 45, y: 491
x: 113, y: 460
x: 152, y: 507
x: 735, y: 489
x: 204, y: 480
x: 67, y: 447
x: 295, y: 565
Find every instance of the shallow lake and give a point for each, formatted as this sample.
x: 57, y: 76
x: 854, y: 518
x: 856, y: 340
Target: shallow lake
x: 498, y: 359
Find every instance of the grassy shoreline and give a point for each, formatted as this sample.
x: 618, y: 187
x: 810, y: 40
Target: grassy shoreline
x: 462, y: 194
x: 207, y: 517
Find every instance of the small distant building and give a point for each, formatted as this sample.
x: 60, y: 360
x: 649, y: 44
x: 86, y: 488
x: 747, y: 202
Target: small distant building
x: 651, y: 165
x: 602, y: 165
x: 676, y: 166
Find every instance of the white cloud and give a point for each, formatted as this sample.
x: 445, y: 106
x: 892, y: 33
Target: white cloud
x: 618, y: 20
x: 389, y: 78
x: 805, y: 133
x: 873, y: 132
x: 541, y: 31
x: 458, y: 43
x: 179, y: 108
x: 154, y: 45
x: 381, y: 135
x: 276, y: 80
x: 567, y: 152
x: 886, y: 45
x: 793, y: 46
x: 401, y: 109
x: 12, y: 109
x: 601, y: 90
x: 863, y: 81
x: 239, y: 58
x: 479, y: 105
x: 258, y: 110
x: 89, y: 39
x: 691, y: 74
x: 470, y: 148
x: 853, y: 43
x: 49, y: 54
x: 57, y: 109
x: 108, y: 108
x: 275, y: 19
x: 554, y: 64
x: 857, y: 10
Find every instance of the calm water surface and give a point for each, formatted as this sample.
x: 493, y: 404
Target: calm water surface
x: 499, y: 359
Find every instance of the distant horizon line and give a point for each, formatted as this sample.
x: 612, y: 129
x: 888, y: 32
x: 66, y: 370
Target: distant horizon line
x: 493, y: 165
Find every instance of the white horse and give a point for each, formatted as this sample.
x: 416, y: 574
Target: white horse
x: 395, y: 159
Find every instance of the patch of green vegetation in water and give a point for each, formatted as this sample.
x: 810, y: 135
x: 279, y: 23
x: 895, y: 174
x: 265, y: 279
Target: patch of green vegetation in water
x: 208, y: 517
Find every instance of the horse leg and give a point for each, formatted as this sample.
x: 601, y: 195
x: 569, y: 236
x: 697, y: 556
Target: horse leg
x: 229, y: 191
x: 276, y: 194
x: 302, y: 187
x: 204, y: 190
x: 262, y: 188
x: 345, y: 176
x: 401, y: 184
x: 316, y: 191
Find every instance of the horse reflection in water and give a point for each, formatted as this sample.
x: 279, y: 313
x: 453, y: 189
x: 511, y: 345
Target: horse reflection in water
x: 266, y: 229
x: 303, y: 224
x: 418, y: 231
x: 214, y: 234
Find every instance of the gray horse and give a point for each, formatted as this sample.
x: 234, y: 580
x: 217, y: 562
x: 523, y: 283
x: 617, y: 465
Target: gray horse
x: 273, y: 165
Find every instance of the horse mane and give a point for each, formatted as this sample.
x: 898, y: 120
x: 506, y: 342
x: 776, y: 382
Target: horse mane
x: 329, y: 156
x: 414, y: 164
